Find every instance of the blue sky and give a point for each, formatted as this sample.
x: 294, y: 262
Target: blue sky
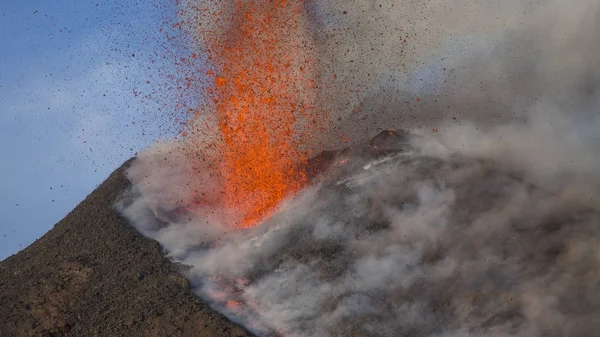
x: 68, y: 112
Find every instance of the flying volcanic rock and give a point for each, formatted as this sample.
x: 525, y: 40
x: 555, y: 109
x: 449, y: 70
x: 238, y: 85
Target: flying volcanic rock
x: 94, y: 275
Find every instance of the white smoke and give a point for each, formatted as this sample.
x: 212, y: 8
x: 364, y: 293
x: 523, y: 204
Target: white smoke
x: 427, y: 243
x: 488, y: 226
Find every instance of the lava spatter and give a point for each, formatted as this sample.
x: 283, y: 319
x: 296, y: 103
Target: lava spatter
x: 263, y: 96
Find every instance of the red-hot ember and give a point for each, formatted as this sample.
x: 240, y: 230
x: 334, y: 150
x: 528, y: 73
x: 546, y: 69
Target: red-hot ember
x: 263, y: 98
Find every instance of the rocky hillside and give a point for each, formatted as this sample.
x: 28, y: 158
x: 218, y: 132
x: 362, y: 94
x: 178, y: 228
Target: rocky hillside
x: 94, y: 275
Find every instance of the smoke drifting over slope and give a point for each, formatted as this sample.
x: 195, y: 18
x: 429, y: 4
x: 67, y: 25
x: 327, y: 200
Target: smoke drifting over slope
x: 487, y: 227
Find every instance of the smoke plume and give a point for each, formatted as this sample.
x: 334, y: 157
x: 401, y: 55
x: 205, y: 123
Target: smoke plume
x: 481, y: 219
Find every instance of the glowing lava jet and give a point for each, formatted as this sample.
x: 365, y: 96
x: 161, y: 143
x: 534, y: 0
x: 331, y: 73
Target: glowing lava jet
x: 264, y: 101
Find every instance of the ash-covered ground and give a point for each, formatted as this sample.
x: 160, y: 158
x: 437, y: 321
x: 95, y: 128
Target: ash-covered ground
x: 94, y: 275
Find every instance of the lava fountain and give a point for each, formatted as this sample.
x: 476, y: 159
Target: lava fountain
x: 263, y: 101
x: 470, y: 230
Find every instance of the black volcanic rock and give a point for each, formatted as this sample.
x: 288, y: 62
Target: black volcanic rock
x: 94, y: 275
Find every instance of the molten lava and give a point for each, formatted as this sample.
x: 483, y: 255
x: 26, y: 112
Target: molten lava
x: 263, y: 96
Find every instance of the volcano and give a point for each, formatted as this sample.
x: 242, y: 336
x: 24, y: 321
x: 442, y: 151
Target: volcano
x: 94, y: 275
x: 390, y: 238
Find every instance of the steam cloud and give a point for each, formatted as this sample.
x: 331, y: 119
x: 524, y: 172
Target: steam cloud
x: 488, y: 227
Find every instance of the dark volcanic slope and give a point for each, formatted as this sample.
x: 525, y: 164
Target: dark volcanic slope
x: 94, y: 275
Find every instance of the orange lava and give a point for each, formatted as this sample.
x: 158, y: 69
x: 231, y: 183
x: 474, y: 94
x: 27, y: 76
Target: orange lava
x: 263, y: 86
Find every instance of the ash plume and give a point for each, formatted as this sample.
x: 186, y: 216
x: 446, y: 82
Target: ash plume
x: 481, y: 219
x: 484, y: 62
